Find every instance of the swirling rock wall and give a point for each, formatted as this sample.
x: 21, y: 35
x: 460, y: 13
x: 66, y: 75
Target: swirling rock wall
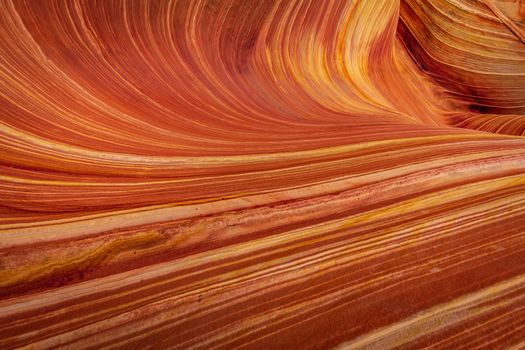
x: 262, y: 174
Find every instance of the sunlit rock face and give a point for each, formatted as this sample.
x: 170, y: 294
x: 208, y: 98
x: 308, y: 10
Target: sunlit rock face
x: 288, y: 174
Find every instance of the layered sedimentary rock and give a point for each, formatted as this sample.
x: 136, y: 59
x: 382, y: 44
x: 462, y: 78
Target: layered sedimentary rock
x: 262, y: 174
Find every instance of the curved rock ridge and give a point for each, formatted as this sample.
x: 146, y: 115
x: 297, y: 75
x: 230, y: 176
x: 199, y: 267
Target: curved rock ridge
x: 274, y: 174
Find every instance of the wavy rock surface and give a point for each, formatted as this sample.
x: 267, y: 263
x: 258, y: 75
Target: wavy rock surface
x: 262, y: 174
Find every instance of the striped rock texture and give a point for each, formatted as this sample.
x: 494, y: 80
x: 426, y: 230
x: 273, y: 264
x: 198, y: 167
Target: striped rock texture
x: 262, y: 174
